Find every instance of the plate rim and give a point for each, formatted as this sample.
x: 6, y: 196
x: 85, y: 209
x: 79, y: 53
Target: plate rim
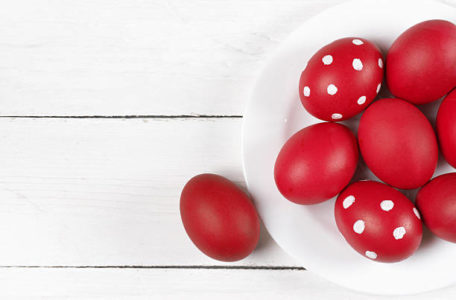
x: 246, y: 116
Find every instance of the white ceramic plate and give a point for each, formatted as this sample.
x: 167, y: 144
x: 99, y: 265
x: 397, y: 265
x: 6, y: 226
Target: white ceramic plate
x: 274, y: 113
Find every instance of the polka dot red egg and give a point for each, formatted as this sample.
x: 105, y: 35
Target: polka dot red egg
x: 341, y: 79
x: 378, y: 221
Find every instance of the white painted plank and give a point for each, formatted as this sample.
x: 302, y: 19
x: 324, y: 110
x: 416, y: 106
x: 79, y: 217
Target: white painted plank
x: 180, y: 284
x: 135, y: 57
x: 106, y: 191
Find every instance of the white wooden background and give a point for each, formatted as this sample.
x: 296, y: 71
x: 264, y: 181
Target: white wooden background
x: 107, y: 108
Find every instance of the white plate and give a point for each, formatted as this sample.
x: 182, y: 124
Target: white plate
x: 274, y: 113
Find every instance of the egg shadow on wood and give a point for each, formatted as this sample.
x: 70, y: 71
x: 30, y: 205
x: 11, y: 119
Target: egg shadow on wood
x: 265, y: 240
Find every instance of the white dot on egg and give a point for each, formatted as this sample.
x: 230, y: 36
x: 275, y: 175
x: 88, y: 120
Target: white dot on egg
x: 357, y: 42
x: 361, y: 100
x: 380, y: 62
x: 336, y: 116
x: 387, y: 205
x: 359, y: 226
x: 379, y: 86
x: 348, y: 201
x: 331, y: 89
x: 417, y: 213
x: 399, y: 233
x: 306, y: 91
x: 327, y: 59
x: 371, y: 254
x: 357, y: 64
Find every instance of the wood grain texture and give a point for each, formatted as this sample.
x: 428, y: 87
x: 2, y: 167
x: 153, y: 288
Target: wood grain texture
x: 106, y: 191
x: 135, y: 57
x: 180, y: 284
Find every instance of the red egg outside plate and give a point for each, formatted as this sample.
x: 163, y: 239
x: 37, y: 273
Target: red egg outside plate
x: 219, y: 217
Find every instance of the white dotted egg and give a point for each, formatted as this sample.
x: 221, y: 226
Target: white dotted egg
x: 336, y: 116
x: 332, y: 89
x: 417, y: 213
x: 399, y: 233
x: 387, y: 205
x: 357, y: 42
x: 348, y: 201
x: 306, y: 91
x: 359, y: 226
x: 361, y: 100
x: 371, y: 254
x: 357, y: 64
x: 327, y: 59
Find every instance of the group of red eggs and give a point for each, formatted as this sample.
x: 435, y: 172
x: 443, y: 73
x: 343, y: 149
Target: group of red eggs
x: 396, y: 140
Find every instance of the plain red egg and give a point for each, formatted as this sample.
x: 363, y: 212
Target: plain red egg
x: 446, y: 128
x: 316, y: 163
x: 437, y: 204
x: 421, y: 63
x: 219, y: 217
x: 341, y: 79
x: 398, y: 143
x: 378, y: 221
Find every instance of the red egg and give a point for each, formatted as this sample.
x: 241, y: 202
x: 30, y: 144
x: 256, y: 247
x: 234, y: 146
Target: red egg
x: 219, y: 217
x: 398, y: 143
x: 446, y: 128
x: 316, y: 163
x: 378, y: 221
x: 437, y: 204
x: 421, y: 63
x: 341, y: 79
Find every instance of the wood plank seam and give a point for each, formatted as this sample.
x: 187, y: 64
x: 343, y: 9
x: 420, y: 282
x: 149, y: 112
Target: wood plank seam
x: 213, y: 267
x: 128, y: 117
